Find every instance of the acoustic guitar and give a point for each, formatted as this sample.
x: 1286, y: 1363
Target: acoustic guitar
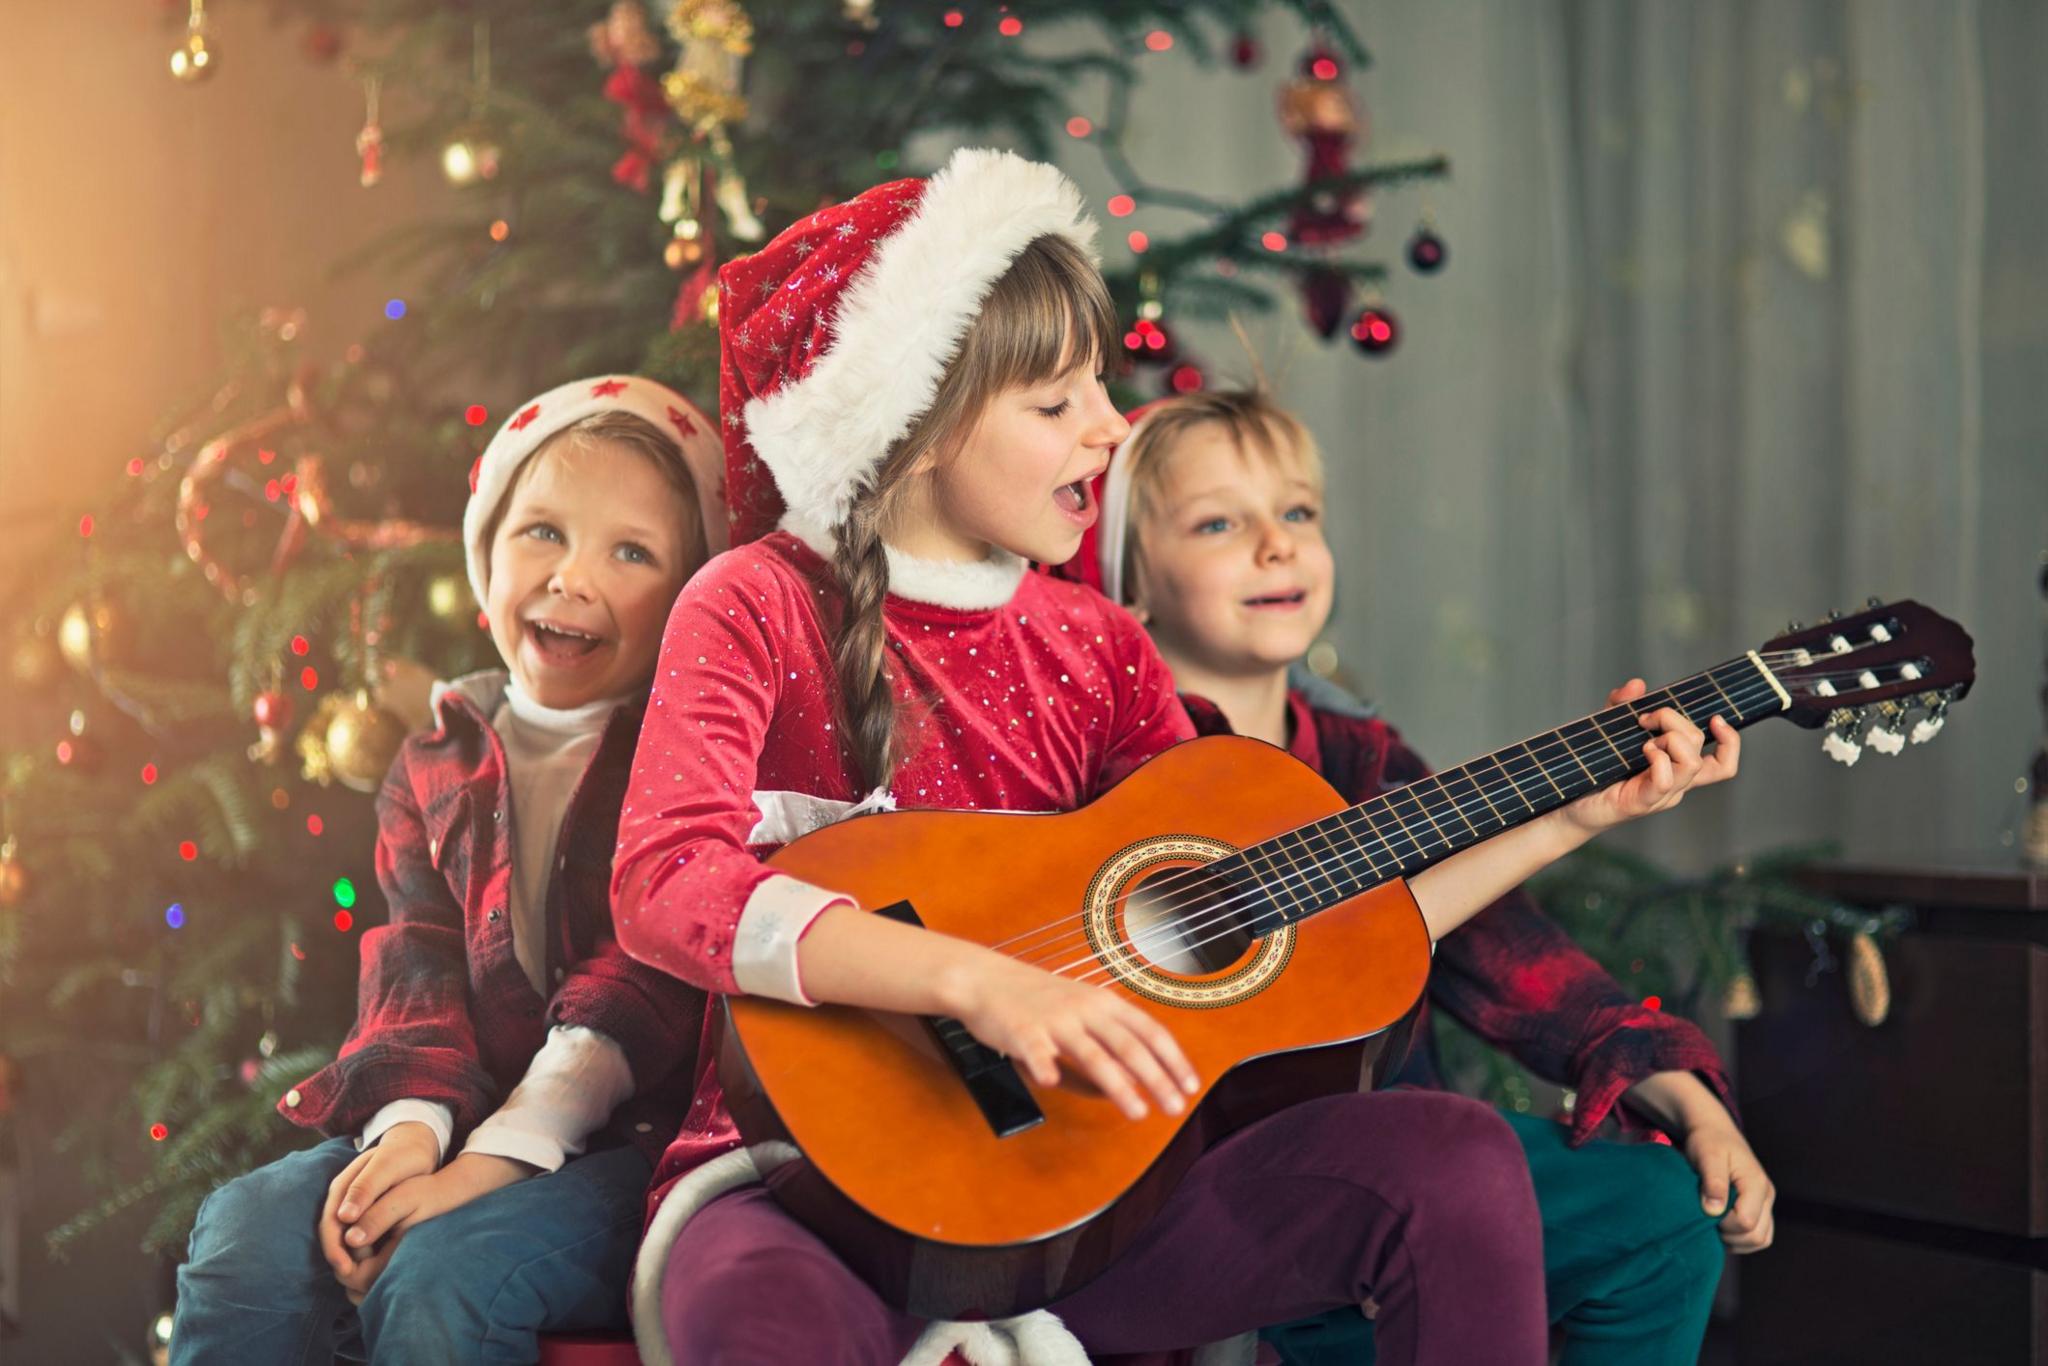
x: 1229, y: 891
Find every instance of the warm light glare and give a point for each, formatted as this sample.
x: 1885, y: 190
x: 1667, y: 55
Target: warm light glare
x: 1122, y: 206
x: 1159, y: 40
x: 1138, y: 240
x: 1078, y: 127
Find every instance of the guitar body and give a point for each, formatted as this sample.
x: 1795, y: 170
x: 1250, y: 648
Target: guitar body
x: 904, y: 1168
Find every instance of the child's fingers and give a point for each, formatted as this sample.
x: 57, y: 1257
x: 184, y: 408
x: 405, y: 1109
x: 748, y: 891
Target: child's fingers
x: 1727, y: 755
x: 1104, y: 1070
x: 394, y: 1205
x: 332, y: 1249
x: 1714, y: 1183
x: 1627, y: 692
x: 1136, y: 1056
x: 1164, y: 1046
x: 371, y: 1181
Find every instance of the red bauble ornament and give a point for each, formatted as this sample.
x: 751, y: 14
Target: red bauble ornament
x: 1326, y: 299
x: 1244, y: 50
x: 1427, y: 252
x: 1148, y: 343
x: 1376, y: 330
x: 271, y: 710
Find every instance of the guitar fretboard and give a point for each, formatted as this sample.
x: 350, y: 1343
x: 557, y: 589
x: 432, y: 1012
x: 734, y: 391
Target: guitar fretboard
x: 1294, y: 875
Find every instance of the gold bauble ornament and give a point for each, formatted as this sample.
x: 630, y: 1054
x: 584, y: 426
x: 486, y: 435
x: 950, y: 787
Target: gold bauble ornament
x: 361, y: 740
x: 448, y: 598
x: 192, y: 62
x: 1870, y: 985
x: 1742, y: 1001
x: 90, y: 634
x: 13, y: 878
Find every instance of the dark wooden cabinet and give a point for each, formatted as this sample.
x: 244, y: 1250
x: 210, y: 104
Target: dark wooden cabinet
x: 1911, y: 1157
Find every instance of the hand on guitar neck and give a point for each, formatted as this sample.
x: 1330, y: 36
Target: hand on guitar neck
x: 1453, y: 891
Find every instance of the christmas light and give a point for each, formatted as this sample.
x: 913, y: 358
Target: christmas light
x: 344, y: 893
x: 954, y: 18
x: 343, y: 921
x: 1122, y: 206
x: 1159, y: 40
x: 187, y: 850
x: 135, y: 468
x: 272, y: 491
x: 314, y: 825
x: 1011, y: 26
x: 500, y: 230
x: 1323, y: 68
x: 394, y: 309
x: 159, y: 1132
x: 298, y: 952
x: 266, y: 457
x: 1138, y: 240
x: 148, y: 774
x: 1274, y: 241
x: 85, y: 525
x: 300, y: 645
x: 1186, y: 379
x: 279, y: 798
x: 476, y: 415
x: 309, y: 678
x: 1078, y: 127
x: 174, y: 915
x: 1653, y: 1002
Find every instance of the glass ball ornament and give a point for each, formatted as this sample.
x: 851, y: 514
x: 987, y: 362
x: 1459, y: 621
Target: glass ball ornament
x: 1427, y: 252
x: 192, y: 61
x: 1376, y: 331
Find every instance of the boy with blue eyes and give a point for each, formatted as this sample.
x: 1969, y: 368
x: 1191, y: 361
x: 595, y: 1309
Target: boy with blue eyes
x: 494, y: 1114
x: 1211, y: 534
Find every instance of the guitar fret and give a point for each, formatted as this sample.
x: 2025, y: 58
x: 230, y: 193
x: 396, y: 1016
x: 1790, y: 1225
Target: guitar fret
x: 1543, y: 770
x: 1386, y: 841
x: 1513, y: 786
x: 1279, y: 882
x: 1457, y: 807
x: 1464, y: 775
x: 1320, y: 860
x: 1414, y: 790
x: 1393, y: 807
x: 1565, y: 740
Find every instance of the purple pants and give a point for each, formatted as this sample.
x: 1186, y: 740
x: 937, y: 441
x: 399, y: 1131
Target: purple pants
x: 1417, y: 1199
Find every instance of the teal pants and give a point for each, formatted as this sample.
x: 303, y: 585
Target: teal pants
x: 1630, y: 1260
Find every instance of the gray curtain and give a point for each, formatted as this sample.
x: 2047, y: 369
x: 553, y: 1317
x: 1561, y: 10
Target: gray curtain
x: 1746, y: 317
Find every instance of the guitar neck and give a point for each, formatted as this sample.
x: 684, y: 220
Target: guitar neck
x: 1399, y: 834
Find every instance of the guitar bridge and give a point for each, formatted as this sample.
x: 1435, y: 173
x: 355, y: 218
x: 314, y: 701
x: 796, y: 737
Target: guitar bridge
x: 992, y: 1080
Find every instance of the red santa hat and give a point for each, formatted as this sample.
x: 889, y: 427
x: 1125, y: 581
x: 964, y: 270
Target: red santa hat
x: 490, y: 478
x: 833, y: 338
x: 1099, y: 562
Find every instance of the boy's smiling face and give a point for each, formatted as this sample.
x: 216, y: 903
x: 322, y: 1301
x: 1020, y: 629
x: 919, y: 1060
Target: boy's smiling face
x: 586, y: 562
x: 1232, y: 575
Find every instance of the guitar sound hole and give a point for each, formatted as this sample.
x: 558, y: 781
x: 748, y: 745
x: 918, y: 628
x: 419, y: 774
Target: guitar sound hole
x: 1181, y: 920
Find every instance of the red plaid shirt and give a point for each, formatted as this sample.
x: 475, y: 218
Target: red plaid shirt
x: 444, y: 1011
x: 1510, y: 974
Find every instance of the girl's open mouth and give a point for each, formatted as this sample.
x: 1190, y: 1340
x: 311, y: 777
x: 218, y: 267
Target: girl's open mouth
x: 1278, y: 601
x: 561, y: 644
x: 1076, y: 502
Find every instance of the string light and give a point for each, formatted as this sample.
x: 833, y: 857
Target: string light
x: 394, y: 309
x: 148, y: 774
x: 343, y: 921
x: 1139, y: 241
x: 954, y: 18
x: 266, y: 457
x: 174, y: 915
x: 344, y: 893
x: 1159, y: 40
x: 1274, y: 241
x: 300, y: 645
x: 187, y: 850
x: 85, y: 526
x: 1011, y: 26
x: 135, y: 468
x: 159, y: 1132
x: 476, y: 415
x: 1078, y: 127
x: 314, y: 825
x: 1653, y: 1002
x: 309, y: 678
x: 500, y: 230
x: 1122, y: 206
x: 279, y: 798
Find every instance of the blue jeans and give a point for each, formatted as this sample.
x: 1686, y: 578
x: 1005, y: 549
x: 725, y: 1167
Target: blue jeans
x: 479, y: 1284
x: 1630, y: 1261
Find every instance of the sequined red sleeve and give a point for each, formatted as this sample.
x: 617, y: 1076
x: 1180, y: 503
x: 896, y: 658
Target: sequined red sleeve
x: 684, y: 872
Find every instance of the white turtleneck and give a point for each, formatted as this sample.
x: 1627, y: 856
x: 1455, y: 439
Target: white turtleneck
x: 579, y: 1076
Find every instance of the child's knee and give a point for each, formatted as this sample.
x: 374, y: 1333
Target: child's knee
x: 263, y: 1215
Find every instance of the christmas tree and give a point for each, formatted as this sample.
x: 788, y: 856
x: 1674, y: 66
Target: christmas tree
x: 211, y: 691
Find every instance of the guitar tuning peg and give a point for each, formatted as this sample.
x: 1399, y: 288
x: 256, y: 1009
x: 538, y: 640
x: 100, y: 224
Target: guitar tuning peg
x: 1930, y: 725
x: 1792, y: 626
x: 1842, y: 748
x: 1887, y: 734
x: 1874, y: 603
x: 1835, y: 614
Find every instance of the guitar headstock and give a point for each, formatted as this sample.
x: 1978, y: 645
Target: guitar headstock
x: 1881, y: 676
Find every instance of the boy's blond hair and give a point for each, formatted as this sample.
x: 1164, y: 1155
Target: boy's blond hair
x: 1257, y: 425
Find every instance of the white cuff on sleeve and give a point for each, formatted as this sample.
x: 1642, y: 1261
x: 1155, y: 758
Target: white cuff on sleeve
x: 764, y: 946
x: 570, y: 1089
x: 433, y: 1114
